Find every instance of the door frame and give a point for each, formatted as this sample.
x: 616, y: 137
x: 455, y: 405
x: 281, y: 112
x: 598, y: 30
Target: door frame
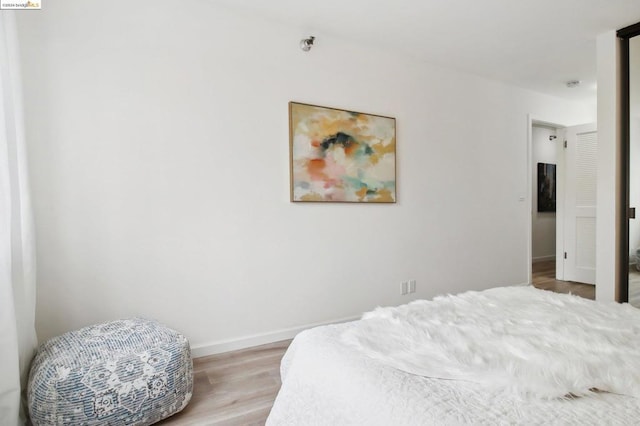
x: 622, y: 286
x: 532, y: 120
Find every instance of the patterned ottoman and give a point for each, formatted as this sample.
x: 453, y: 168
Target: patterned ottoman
x: 125, y: 372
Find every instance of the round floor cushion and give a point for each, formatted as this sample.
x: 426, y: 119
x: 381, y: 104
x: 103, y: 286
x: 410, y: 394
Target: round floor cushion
x: 125, y: 372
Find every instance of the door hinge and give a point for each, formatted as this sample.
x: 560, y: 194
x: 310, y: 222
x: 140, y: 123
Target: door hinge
x: 565, y: 143
x: 565, y: 254
x: 632, y: 212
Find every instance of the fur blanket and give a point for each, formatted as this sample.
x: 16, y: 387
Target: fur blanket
x: 519, y: 339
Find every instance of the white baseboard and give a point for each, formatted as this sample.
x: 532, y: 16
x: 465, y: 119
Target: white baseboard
x: 543, y: 258
x: 222, y: 346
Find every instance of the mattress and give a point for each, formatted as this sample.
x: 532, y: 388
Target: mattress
x: 326, y: 382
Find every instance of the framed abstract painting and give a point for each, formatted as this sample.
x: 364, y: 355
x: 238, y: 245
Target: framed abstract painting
x: 341, y: 156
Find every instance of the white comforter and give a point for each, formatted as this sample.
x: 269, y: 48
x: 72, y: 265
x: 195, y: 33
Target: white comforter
x: 519, y: 339
x: 326, y: 382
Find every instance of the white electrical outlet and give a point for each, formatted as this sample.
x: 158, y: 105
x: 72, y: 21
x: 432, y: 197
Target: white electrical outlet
x: 412, y: 286
x: 404, y: 287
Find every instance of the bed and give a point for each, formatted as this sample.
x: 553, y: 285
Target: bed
x: 350, y: 374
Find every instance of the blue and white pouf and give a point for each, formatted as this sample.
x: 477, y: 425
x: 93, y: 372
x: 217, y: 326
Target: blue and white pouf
x: 125, y: 372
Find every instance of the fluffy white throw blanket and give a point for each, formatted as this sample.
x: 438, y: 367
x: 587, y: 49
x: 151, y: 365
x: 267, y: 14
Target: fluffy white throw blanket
x: 520, y: 339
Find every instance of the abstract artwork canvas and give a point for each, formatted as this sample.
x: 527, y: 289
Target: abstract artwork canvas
x: 546, y: 187
x: 341, y: 156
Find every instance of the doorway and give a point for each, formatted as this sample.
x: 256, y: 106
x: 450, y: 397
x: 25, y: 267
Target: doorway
x: 544, y: 156
x: 562, y: 176
x: 544, y: 153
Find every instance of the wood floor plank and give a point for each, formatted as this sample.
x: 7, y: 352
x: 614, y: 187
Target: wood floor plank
x: 235, y: 388
x: 544, y: 277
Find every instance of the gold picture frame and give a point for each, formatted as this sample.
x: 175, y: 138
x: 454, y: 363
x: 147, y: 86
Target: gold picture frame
x: 342, y: 156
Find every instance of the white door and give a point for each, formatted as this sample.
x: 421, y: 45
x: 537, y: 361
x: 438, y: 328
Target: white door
x: 580, y: 204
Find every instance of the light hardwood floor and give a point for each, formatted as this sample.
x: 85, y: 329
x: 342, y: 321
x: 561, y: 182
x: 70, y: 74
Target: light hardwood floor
x: 235, y: 388
x: 544, y: 277
x: 238, y: 388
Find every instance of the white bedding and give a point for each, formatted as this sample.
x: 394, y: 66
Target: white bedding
x: 519, y: 339
x: 327, y: 382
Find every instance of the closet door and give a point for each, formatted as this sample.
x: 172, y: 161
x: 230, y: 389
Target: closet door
x: 633, y: 289
x: 580, y: 204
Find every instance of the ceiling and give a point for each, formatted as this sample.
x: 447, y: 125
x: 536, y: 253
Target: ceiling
x: 534, y: 44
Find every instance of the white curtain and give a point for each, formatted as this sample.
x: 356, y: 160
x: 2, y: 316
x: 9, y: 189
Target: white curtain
x: 17, y: 251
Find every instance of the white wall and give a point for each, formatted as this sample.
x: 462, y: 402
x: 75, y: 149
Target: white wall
x: 158, y: 140
x: 543, y: 226
x: 609, y: 157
